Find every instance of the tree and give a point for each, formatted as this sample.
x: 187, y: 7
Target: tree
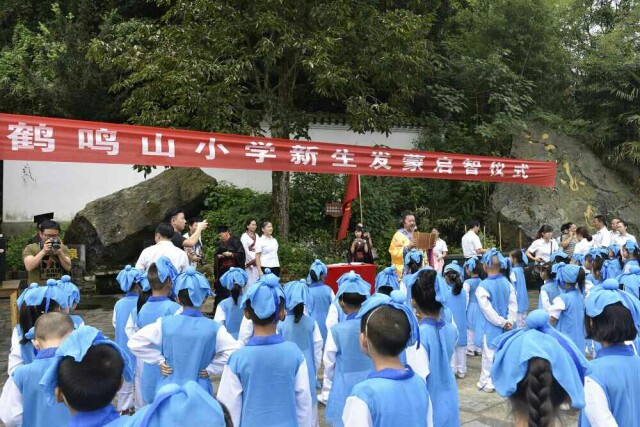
x: 228, y: 65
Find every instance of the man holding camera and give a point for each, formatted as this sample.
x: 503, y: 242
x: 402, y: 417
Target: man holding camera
x: 48, y: 259
x: 196, y: 252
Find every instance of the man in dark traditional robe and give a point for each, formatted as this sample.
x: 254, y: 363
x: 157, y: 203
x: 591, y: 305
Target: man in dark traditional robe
x: 229, y: 253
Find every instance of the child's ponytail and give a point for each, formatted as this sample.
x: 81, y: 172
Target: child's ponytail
x: 235, y: 293
x: 298, y: 311
x: 314, y: 276
x: 538, y: 396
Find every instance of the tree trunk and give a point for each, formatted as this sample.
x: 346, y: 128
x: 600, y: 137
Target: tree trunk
x: 280, y: 203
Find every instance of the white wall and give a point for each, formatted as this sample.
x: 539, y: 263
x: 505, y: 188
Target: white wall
x: 31, y: 188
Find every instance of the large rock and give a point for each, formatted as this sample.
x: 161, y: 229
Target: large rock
x: 584, y: 187
x: 114, y: 228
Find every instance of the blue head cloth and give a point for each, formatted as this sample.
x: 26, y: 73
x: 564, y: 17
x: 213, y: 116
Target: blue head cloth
x: 143, y: 281
x: 72, y: 291
x: 566, y: 273
x: 598, y: 253
x: 166, y: 269
x: 21, y: 299
x: 264, y: 295
x: 35, y: 295
x: 387, y: 277
x: 128, y: 277
x: 351, y: 282
x: 397, y: 301
x: 413, y: 255
x: 556, y: 254
x: 615, y: 248
x: 196, y: 284
x: 470, y: 264
x: 234, y: 276
x: 487, y: 258
x: 579, y: 258
x: 174, y: 404
x: 455, y: 267
x: 76, y: 345
x: 440, y: 285
x: 609, y: 293
x: 515, y: 348
x: 296, y: 292
x: 319, y: 268
x: 630, y: 246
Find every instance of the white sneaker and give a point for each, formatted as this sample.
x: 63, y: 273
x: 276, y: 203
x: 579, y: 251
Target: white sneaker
x: 461, y: 375
x: 471, y: 353
x: 486, y: 388
x: 565, y: 406
x: 322, y: 400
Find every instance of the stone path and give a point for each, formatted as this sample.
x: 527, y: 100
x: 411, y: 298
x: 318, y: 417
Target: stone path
x: 477, y: 409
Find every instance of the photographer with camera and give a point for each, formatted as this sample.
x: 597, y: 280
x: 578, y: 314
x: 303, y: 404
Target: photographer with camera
x: 48, y: 259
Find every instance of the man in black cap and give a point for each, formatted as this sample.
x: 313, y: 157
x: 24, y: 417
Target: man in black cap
x: 229, y: 253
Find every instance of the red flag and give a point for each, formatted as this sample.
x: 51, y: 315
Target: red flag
x: 350, y: 195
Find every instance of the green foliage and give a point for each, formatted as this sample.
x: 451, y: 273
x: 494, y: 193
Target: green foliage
x: 15, y: 246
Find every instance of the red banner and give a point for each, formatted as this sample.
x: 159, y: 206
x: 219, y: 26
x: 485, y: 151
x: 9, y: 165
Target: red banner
x: 61, y: 140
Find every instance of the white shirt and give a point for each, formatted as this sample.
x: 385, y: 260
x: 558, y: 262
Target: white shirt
x: 230, y: 394
x: 582, y: 247
x: 246, y: 242
x: 621, y: 240
x: 267, y: 247
x: 470, y: 244
x: 596, y: 405
x: 15, y: 356
x: 491, y: 314
x: 542, y: 249
x: 602, y: 239
x: 440, y: 248
x: 146, y: 345
x: 177, y: 256
x: 11, y: 407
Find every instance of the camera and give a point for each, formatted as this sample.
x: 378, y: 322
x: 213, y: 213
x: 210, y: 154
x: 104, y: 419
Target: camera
x: 55, y: 244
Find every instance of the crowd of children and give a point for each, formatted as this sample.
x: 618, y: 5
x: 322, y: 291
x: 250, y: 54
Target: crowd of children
x: 281, y: 349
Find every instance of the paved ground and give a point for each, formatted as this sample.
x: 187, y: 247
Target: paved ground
x: 477, y: 409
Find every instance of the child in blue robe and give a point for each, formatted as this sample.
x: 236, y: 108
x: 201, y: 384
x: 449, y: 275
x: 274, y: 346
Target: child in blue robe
x: 73, y: 294
x: 475, y: 319
x: 431, y: 359
x: 187, y: 346
x: 387, y: 327
x: 518, y: 258
x: 550, y: 289
x: 630, y: 281
x: 266, y: 380
x: 498, y: 304
x: 129, y: 395
x: 387, y: 281
x: 174, y: 404
x: 457, y: 301
x: 160, y: 276
x: 32, y: 303
x: 23, y: 402
x: 612, y: 387
x: 595, y: 277
x: 344, y: 364
x: 303, y: 330
x: 538, y: 369
x: 228, y: 312
x: 567, y: 309
x: 615, y: 264
x: 86, y: 373
x: 321, y: 296
x: 630, y: 253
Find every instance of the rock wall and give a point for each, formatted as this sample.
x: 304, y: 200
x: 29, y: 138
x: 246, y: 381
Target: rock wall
x: 115, y: 228
x: 584, y: 187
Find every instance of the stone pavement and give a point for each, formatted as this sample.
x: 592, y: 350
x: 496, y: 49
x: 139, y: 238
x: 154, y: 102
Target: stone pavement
x: 477, y: 409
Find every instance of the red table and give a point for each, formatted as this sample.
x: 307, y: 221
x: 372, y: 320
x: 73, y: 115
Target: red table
x: 366, y: 271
